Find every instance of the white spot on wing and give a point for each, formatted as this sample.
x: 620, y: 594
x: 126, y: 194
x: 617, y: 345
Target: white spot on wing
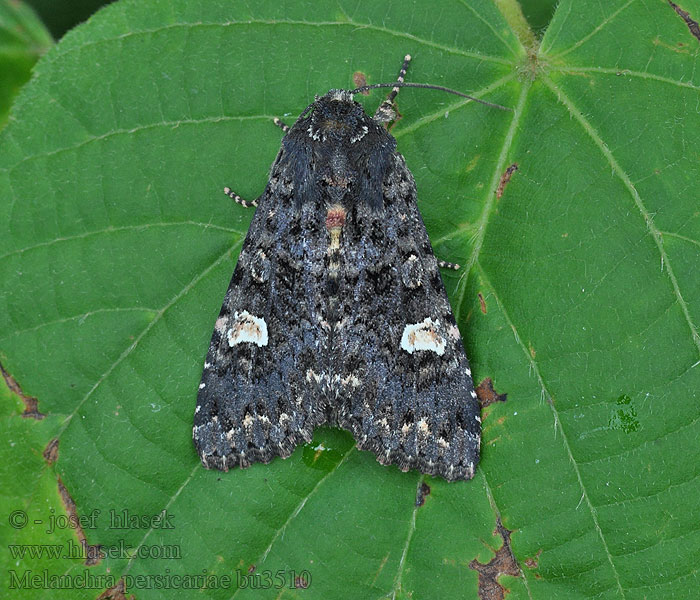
x: 423, y: 336
x: 247, y: 328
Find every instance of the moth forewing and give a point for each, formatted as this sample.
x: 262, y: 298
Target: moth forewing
x: 336, y: 312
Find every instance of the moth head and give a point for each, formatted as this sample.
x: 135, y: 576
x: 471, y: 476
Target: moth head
x: 337, y: 117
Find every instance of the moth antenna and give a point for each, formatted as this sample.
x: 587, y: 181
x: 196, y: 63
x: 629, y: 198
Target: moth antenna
x: 399, y: 79
x: 428, y: 86
x: 386, y: 111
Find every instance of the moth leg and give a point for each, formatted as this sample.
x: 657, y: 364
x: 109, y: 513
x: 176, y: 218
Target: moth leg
x: 283, y: 126
x: 235, y: 197
x: 386, y: 112
x: 443, y: 264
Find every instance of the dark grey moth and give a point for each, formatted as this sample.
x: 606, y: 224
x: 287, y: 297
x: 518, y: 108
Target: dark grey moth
x: 336, y: 312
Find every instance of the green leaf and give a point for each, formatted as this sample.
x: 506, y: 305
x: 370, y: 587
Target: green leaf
x: 579, y: 296
x: 22, y: 40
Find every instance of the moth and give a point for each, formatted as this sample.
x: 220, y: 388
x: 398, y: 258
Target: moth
x: 336, y: 312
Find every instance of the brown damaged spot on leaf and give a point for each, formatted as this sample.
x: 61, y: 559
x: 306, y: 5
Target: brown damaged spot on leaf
x: 300, y: 582
x: 692, y: 25
x: 482, y: 303
x: 487, y: 395
x: 533, y: 561
x: 381, y: 567
x: 423, y: 491
x: 360, y: 80
x: 116, y: 592
x: 503, y: 563
x: 92, y: 553
x: 31, y: 404
x: 505, y: 178
x: 51, y: 451
x: 31, y: 410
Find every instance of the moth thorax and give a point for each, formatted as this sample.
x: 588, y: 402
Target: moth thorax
x: 334, y: 125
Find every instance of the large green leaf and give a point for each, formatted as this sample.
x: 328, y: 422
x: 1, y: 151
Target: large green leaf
x: 579, y: 297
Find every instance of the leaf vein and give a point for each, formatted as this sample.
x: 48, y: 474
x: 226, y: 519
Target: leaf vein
x: 108, y: 230
x: 81, y: 317
x: 273, y: 22
x: 143, y: 333
x: 297, y: 510
x: 619, y: 72
x: 489, y: 25
x: 409, y: 536
x: 482, y: 223
x: 140, y: 128
x: 557, y: 423
x: 604, y: 23
x: 648, y: 219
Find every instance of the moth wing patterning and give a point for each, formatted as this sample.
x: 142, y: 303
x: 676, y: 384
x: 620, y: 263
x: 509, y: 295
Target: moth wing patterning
x: 254, y: 400
x: 336, y: 312
x: 406, y: 391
